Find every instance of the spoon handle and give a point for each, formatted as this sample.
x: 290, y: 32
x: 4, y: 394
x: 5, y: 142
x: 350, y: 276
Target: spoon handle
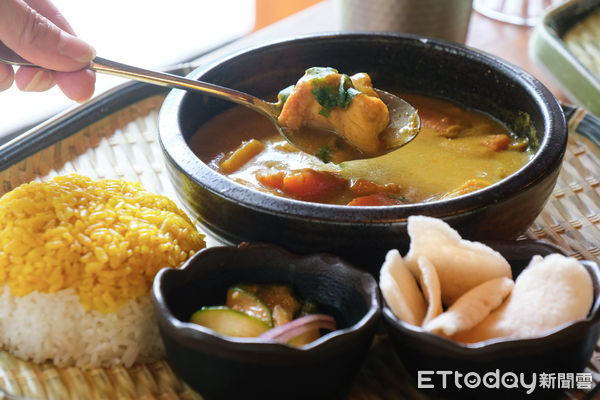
x: 105, y: 66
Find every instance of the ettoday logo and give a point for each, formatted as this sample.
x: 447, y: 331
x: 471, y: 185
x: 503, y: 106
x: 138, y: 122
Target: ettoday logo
x: 502, y: 380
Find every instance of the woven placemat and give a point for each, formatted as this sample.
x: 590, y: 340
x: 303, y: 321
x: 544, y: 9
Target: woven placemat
x: 571, y: 218
x: 124, y: 145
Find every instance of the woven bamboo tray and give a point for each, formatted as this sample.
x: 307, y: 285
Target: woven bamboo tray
x: 124, y: 145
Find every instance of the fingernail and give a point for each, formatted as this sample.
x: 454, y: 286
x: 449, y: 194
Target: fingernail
x: 6, y: 80
x: 75, y: 48
x: 41, y: 81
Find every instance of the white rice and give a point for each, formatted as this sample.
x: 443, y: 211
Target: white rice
x: 56, y: 327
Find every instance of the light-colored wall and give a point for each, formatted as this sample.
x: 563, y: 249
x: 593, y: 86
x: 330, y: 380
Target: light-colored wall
x: 270, y: 11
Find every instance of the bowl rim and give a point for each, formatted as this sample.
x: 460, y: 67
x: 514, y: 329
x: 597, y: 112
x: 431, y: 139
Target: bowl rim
x: 177, y: 151
x: 502, y: 345
x: 194, y: 333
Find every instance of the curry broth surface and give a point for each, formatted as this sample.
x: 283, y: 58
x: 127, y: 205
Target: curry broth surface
x: 432, y: 165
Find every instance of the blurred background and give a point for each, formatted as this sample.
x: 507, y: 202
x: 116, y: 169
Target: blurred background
x: 145, y: 33
x: 156, y: 34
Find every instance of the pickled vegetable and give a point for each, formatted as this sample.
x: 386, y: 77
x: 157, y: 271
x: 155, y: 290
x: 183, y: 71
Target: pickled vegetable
x: 268, y: 311
x: 241, y: 300
x: 229, y: 322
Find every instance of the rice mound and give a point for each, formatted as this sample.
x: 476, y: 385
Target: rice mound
x: 55, y: 326
x: 77, y: 261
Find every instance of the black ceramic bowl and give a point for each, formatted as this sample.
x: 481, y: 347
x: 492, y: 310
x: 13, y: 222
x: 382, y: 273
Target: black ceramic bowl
x: 362, y: 235
x: 566, y: 350
x: 222, y: 367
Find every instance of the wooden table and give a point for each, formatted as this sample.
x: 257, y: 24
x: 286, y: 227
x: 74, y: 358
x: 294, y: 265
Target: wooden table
x: 509, y: 42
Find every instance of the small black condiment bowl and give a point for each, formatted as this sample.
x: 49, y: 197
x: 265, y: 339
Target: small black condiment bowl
x: 236, y: 213
x: 223, y: 367
x: 563, y: 351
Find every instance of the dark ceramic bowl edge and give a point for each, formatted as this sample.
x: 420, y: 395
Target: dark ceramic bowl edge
x: 538, y: 166
x: 186, y: 331
x: 483, y: 350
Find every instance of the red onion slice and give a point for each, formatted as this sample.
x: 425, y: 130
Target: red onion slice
x: 286, y: 332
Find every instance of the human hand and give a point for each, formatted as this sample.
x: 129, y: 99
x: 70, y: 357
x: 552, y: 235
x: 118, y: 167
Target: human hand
x: 38, y: 32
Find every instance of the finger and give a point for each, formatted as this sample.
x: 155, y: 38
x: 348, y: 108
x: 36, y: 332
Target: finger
x: 34, y: 79
x: 48, y: 10
x: 7, y: 76
x: 39, y: 40
x: 78, y: 85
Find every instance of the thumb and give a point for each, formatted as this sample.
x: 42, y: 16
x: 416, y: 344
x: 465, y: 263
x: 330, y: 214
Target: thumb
x: 37, y: 39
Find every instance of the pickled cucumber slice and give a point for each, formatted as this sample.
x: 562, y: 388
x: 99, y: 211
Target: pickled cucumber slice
x: 229, y: 322
x: 244, y: 301
x: 275, y: 296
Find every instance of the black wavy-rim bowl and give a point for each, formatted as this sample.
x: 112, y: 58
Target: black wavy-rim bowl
x: 222, y: 367
x: 236, y: 213
x: 565, y: 350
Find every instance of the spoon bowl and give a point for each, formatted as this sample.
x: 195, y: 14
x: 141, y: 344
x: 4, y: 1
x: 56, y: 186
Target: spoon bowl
x: 328, y: 145
x: 403, y: 127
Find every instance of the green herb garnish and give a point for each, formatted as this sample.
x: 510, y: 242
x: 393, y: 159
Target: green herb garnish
x: 324, y: 154
x: 327, y: 97
x: 320, y: 73
x: 330, y: 96
x: 284, y: 94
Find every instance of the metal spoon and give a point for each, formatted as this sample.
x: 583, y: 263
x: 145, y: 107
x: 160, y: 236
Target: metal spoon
x: 404, y: 121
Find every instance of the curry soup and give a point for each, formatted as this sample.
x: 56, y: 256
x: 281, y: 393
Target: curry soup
x: 457, y: 151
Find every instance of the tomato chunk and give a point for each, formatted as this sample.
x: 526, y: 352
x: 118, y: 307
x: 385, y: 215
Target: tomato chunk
x: 363, y: 187
x: 274, y: 180
x: 446, y: 125
x: 311, y: 184
x: 378, y: 199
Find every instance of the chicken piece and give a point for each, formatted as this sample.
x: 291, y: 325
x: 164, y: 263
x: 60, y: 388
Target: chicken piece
x: 362, y: 83
x: 326, y: 99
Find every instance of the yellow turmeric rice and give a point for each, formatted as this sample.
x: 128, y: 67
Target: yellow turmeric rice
x: 106, y: 239
x: 77, y: 261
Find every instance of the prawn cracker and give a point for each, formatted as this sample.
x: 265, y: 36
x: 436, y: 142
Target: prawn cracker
x: 472, y: 307
x: 461, y: 264
x: 552, y: 291
x: 430, y: 286
x: 400, y: 290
